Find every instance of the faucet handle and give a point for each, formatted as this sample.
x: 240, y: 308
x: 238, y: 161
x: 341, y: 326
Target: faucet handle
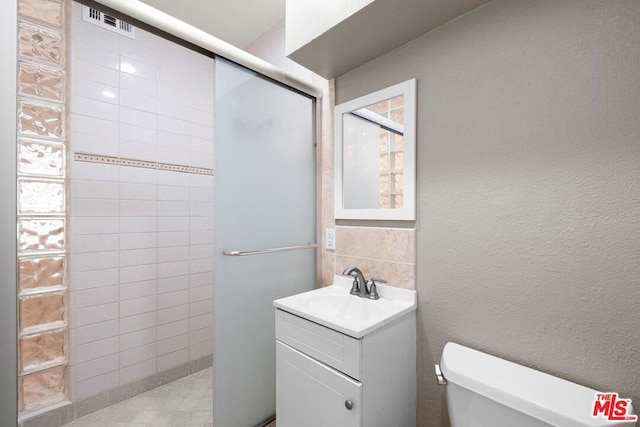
x: 373, y: 291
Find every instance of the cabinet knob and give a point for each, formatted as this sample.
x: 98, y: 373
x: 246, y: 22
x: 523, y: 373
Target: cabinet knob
x: 348, y: 404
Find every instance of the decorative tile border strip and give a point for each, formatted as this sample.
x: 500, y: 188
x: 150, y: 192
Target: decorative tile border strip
x: 121, y: 161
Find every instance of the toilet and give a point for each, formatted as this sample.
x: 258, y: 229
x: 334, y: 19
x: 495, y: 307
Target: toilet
x: 486, y: 391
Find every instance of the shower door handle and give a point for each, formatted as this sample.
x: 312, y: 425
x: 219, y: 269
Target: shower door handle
x: 271, y: 250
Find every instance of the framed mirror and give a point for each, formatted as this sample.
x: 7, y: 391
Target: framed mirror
x: 375, y: 173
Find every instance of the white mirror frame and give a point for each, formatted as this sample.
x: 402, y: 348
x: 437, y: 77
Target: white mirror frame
x: 408, y: 210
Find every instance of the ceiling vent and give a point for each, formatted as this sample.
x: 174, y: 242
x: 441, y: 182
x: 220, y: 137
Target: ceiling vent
x: 108, y: 22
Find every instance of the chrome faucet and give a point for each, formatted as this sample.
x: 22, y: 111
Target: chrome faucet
x: 359, y: 287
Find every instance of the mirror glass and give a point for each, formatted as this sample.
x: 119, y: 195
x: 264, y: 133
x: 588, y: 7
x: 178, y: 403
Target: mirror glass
x: 375, y: 146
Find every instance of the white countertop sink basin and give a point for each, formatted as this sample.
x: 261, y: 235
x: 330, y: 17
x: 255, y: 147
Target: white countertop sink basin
x: 335, y: 308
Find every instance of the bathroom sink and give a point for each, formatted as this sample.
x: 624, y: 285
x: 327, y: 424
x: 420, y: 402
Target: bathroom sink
x: 335, y: 308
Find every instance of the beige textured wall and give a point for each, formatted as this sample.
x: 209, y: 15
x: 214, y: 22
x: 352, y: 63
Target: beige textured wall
x: 528, y: 242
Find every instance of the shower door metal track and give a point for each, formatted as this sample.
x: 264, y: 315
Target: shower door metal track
x: 271, y: 250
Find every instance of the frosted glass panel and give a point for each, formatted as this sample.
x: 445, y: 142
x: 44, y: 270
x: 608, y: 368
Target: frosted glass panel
x: 40, y: 197
x: 40, y: 234
x: 40, y: 272
x: 43, y: 388
x: 265, y: 197
x: 40, y: 158
x: 38, y: 351
x: 41, y: 310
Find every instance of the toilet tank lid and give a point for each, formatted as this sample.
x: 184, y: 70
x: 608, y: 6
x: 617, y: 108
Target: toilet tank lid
x: 542, y: 396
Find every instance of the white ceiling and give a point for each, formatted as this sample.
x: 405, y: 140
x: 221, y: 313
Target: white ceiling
x: 238, y: 22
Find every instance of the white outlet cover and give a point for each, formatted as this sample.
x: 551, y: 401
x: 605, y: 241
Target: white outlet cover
x: 331, y: 238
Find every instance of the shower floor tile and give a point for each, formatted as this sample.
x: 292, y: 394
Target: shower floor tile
x: 187, y: 402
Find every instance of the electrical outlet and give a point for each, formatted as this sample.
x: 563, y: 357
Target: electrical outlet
x: 331, y: 238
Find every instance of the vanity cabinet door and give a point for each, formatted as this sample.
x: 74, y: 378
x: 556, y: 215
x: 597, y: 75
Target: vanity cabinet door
x: 311, y: 394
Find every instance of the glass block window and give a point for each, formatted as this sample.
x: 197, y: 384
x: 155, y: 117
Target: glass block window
x: 42, y: 187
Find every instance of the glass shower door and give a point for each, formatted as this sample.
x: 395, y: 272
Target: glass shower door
x: 265, y: 198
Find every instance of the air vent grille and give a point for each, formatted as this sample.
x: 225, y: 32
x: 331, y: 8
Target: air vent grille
x: 111, y: 23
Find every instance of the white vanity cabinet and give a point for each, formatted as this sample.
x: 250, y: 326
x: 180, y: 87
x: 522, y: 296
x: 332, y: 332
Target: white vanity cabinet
x: 327, y: 378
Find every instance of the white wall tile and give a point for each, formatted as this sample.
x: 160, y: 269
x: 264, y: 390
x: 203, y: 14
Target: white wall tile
x: 95, y: 332
x: 201, y: 181
x: 173, y: 238
x: 131, y: 48
x: 172, y: 284
x: 138, y: 224
x: 139, y: 118
x: 201, y: 160
x: 173, y: 193
x: 94, y: 144
x: 93, y: 297
x: 138, y: 84
x: 201, y: 279
x: 130, y: 191
x: 101, y: 37
x: 137, y: 289
x: 171, y: 140
x: 201, y: 307
x: 200, y: 251
x: 202, y: 132
x: 94, y: 225
x: 200, y: 350
x: 94, y: 90
x: 173, y: 314
x: 81, y: 189
x: 201, y: 265
x: 173, y: 208
x: 95, y: 207
x: 138, y: 257
x: 173, y: 178
x: 139, y: 134
x: 203, y: 146
x: 94, y: 279
x: 132, y: 307
x: 95, y: 314
x: 146, y: 208
x: 200, y: 293
x: 94, y: 350
x: 172, y: 299
x: 175, y: 253
x: 96, y: 385
x: 81, y: 106
x: 201, y: 223
x: 95, y: 73
x: 138, y: 101
x: 199, y: 322
x: 94, y: 126
x: 137, y: 372
x: 138, y: 68
x: 137, y: 338
x: 173, y: 223
x: 137, y: 150
x: 172, y: 269
x: 172, y: 329
x: 93, y: 261
x: 95, y: 243
x: 201, y: 237
x: 138, y: 240
x: 137, y: 322
x: 174, y: 359
x: 138, y: 175
x: 201, y: 335
x: 173, y: 156
x: 173, y: 344
x: 138, y: 273
x: 201, y: 209
x: 137, y: 355
x: 168, y: 108
x: 96, y: 367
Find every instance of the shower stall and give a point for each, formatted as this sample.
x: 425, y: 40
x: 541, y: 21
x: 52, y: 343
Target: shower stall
x: 170, y: 192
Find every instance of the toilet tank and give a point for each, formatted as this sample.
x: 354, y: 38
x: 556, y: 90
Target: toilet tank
x: 486, y: 391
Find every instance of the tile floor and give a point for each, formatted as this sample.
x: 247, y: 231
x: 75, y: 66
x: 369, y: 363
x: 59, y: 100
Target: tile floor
x: 187, y: 402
